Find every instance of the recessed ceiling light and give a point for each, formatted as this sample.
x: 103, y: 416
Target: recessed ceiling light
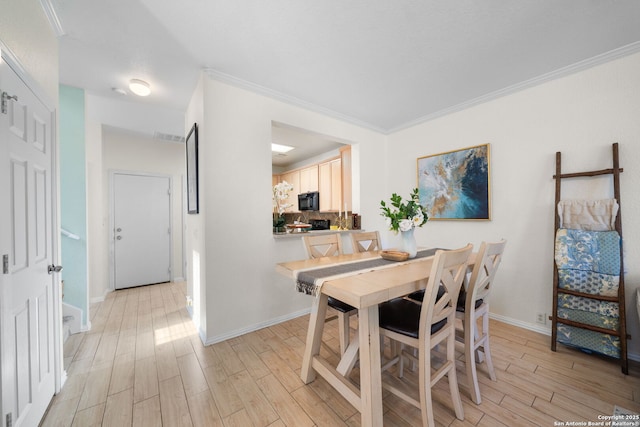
x: 278, y: 148
x: 139, y: 87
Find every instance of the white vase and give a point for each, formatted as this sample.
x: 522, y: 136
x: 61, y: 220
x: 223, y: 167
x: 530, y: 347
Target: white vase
x: 409, y: 243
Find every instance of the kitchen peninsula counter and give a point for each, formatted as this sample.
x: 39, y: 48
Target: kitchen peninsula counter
x: 279, y: 236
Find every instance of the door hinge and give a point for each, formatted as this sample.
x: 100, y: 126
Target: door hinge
x: 5, y: 264
x: 5, y: 98
x: 9, y: 420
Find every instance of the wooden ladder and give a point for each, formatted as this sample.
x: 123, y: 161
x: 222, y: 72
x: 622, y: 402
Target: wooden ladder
x: 621, y: 332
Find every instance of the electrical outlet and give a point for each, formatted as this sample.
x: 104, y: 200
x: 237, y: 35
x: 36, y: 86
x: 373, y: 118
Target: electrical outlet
x: 541, y: 318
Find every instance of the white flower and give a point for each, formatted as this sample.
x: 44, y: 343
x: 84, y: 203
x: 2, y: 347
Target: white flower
x: 280, y: 194
x: 406, y: 224
x: 418, y: 219
x: 388, y: 221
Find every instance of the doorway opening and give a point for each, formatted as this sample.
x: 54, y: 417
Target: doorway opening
x: 141, y: 240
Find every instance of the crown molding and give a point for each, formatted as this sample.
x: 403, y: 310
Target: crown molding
x: 279, y: 96
x: 612, y: 55
x: 52, y: 16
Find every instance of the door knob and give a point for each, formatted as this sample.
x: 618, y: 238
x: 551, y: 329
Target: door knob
x: 54, y: 269
x: 5, y: 98
x: 119, y: 237
x: 118, y: 229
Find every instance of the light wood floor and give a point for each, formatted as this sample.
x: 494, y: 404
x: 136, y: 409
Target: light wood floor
x: 143, y: 364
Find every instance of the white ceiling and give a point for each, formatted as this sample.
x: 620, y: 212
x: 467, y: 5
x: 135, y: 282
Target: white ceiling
x: 383, y: 64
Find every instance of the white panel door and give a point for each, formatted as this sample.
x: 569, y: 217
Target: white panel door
x: 26, y: 245
x: 142, y: 229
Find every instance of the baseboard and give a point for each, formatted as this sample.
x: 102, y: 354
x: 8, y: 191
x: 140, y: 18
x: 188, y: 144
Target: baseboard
x: 252, y: 328
x: 543, y: 330
x: 63, y: 379
x: 519, y: 323
x: 100, y: 299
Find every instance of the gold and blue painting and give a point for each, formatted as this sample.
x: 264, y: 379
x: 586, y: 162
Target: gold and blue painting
x: 456, y: 184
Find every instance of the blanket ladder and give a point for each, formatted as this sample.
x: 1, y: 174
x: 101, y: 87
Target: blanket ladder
x: 621, y: 331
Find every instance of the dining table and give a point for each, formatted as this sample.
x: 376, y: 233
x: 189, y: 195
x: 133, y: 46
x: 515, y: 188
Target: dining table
x: 362, y: 280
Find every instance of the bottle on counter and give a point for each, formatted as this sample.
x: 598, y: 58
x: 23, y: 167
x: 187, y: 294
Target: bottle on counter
x: 355, y: 221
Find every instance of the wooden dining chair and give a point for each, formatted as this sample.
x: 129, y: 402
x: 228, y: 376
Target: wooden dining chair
x: 424, y: 326
x: 366, y: 241
x: 323, y: 245
x: 473, y: 304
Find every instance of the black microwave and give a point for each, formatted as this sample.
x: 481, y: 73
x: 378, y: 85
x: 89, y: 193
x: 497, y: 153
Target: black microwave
x: 309, y: 201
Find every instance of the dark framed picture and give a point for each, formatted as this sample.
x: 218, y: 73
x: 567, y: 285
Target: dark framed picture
x: 456, y: 184
x: 192, y: 170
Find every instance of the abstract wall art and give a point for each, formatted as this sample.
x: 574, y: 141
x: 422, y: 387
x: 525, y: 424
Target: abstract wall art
x: 456, y: 184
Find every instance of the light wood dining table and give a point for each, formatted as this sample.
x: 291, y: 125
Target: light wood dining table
x: 363, y: 290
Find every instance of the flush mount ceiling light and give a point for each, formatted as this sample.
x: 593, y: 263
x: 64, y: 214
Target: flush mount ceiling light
x: 139, y: 87
x: 278, y: 148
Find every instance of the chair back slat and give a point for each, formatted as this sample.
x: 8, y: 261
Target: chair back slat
x: 484, y: 271
x: 323, y: 245
x: 366, y: 241
x: 448, y: 270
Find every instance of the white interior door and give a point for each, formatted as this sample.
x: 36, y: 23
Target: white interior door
x: 27, y: 336
x: 142, y: 229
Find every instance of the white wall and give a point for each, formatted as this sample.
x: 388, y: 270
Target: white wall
x: 97, y: 214
x: 580, y: 115
x: 195, y: 247
x: 243, y: 290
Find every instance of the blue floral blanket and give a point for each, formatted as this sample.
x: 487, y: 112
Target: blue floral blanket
x: 588, y: 261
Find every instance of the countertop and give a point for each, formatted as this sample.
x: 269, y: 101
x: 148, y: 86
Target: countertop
x: 294, y: 235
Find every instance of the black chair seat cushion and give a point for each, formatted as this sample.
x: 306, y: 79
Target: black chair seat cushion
x: 460, y: 307
x: 403, y: 316
x: 339, y: 305
x: 417, y: 295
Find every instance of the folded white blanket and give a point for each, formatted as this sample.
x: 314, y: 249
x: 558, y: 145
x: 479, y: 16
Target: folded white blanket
x: 592, y: 215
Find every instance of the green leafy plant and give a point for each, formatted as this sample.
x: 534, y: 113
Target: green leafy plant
x: 404, y: 216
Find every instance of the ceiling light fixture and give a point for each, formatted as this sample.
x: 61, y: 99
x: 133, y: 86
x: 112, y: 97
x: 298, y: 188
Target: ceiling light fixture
x: 278, y: 148
x: 139, y: 87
